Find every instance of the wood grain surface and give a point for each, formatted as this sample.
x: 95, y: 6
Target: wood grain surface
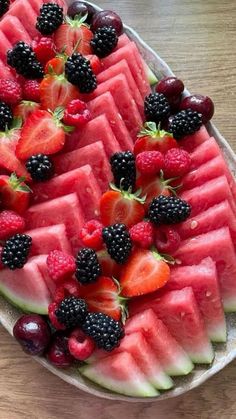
x: 198, y: 40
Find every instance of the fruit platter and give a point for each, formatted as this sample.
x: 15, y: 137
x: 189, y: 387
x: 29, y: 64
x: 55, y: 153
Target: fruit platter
x: 117, y: 207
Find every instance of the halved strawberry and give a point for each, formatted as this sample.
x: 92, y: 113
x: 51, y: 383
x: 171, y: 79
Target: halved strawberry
x: 118, y: 206
x: 8, y: 143
x: 95, y: 62
x: 56, y: 65
x: 152, y: 138
x: 109, y: 266
x: 25, y: 108
x: 14, y: 193
x: 73, y: 36
x: 103, y: 297
x: 154, y: 186
x: 145, y: 272
x: 43, y: 132
x: 56, y: 91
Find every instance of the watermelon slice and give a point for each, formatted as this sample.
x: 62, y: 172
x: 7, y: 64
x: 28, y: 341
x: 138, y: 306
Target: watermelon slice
x: 36, y: 4
x: 82, y: 181
x: 45, y: 239
x: 65, y: 209
x: 23, y: 10
x: 220, y: 215
x: 131, y: 54
x: 179, y: 312
x: 5, y: 72
x: 94, y: 155
x: 218, y: 244
x: 144, y: 356
x: 210, y: 193
x: 27, y: 291
x: 98, y: 129
x: 171, y: 356
x: 204, y: 282
x: 205, y: 152
x: 105, y: 104
x: 121, y: 374
x: 18, y: 34
x: 123, y: 68
x: 5, y: 45
x: 41, y: 262
x: 190, y: 142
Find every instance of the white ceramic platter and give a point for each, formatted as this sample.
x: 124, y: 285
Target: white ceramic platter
x: 224, y: 353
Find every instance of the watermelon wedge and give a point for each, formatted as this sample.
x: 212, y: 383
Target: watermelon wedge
x: 36, y: 4
x: 82, y: 181
x: 23, y: 10
x: 218, y: 244
x: 45, y: 239
x: 171, y: 356
x: 94, y: 155
x: 179, y: 312
x: 18, y: 34
x: 205, y: 152
x: 121, y: 374
x: 190, y: 142
x: 41, y: 262
x: 5, y: 45
x: 5, y: 72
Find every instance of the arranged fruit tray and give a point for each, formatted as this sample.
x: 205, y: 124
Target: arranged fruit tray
x: 174, y: 304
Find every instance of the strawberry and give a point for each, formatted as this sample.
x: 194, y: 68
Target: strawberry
x: 56, y: 91
x: 109, y: 266
x: 25, y: 108
x: 119, y: 206
x: 56, y: 65
x: 95, y: 62
x: 44, y: 49
x: 103, y: 297
x: 42, y: 133
x: 14, y: 193
x: 73, y: 36
x: 8, y: 143
x: 153, y: 138
x: 154, y: 186
x: 145, y: 272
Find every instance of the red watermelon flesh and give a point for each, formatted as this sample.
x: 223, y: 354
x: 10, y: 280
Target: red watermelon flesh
x: 105, y: 104
x: 190, y: 142
x: 220, y: 215
x: 26, y: 290
x: 98, y: 129
x: 18, y: 34
x: 210, y: 193
x: 123, y: 41
x: 65, y: 209
x: 5, y: 45
x: 121, y: 374
x: 94, y: 155
x: 22, y: 9
x: 172, y: 357
x: 218, y: 244
x: 203, y: 280
x: 205, y: 152
x: 179, y: 312
x: 123, y: 68
x: 46, y: 239
x: 82, y: 181
x: 5, y: 72
x: 131, y: 54
x: 41, y: 262
x: 144, y: 356
x: 36, y: 4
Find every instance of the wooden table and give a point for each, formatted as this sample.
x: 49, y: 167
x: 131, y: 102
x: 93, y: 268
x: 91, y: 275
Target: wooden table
x: 198, y: 39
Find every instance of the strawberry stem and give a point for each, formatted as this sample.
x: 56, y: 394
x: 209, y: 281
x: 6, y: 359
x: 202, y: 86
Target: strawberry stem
x: 17, y: 184
x: 128, y: 194
x: 163, y: 256
x: 152, y: 130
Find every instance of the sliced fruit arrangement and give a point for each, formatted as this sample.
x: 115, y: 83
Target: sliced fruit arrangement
x: 116, y: 205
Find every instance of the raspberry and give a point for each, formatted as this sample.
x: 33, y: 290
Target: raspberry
x: 44, y: 49
x: 80, y: 346
x: 31, y: 90
x: 142, y: 234
x: 177, y: 163
x: 53, y: 318
x: 91, y: 234
x: 60, y: 265
x: 166, y: 239
x: 10, y: 92
x: 150, y: 162
x: 10, y: 224
x: 76, y: 113
x: 67, y: 289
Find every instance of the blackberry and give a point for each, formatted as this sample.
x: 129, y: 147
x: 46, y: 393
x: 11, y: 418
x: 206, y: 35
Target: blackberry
x: 168, y: 210
x: 118, y: 242
x: 104, y: 330
x: 6, y: 116
x: 50, y: 18
x: 4, y: 6
x: 71, y: 312
x: 15, y: 251
x: 87, y: 266
x: 78, y: 71
x: 185, y: 122
x: 104, y: 41
x: 156, y: 107
x: 40, y: 167
x: 124, y: 170
x: 23, y: 59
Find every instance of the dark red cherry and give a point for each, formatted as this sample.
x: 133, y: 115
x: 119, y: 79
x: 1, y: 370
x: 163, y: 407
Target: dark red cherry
x: 172, y: 88
x: 201, y: 104
x: 58, y: 352
x: 81, y: 8
x: 33, y: 333
x: 107, y: 18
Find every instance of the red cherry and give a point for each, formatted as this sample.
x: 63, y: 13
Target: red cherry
x: 58, y: 353
x: 33, y: 333
x: 171, y: 87
x: 107, y: 18
x: 201, y: 104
